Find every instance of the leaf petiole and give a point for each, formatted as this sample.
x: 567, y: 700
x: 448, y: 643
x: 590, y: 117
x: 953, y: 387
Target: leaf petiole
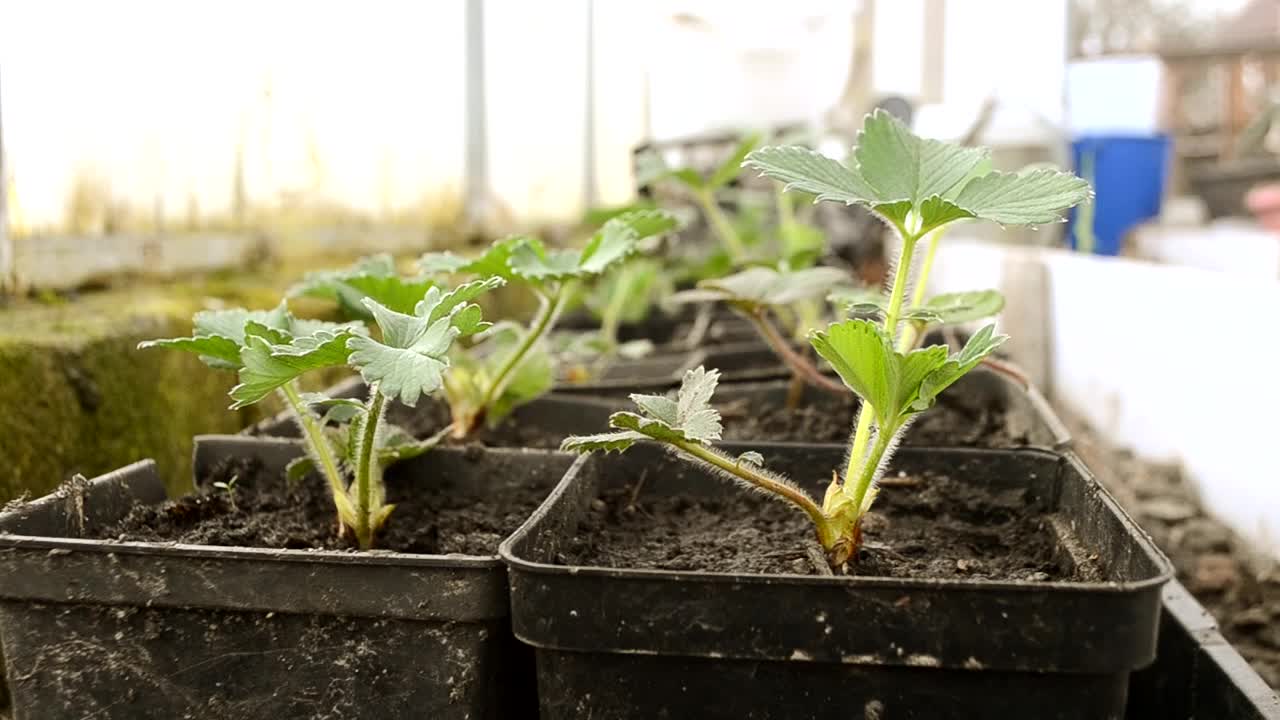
x: 317, y: 443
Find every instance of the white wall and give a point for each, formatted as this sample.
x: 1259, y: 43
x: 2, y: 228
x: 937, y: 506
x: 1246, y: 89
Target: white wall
x: 1176, y: 362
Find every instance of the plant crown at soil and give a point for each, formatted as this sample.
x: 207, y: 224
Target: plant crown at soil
x: 918, y: 187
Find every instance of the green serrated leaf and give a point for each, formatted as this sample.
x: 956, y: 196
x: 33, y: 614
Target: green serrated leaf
x: 1029, y: 198
x: 532, y: 261
x: 904, y: 167
x: 620, y: 238
x: 983, y: 343
x: 374, y: 277
x: 608, y: 442
x: 400, y: 372
x: 399, y: 330
x: 658, y: 407
x: 493, y: 263
x: 696, y: 419
x: 864, y: 358
x: 275, y: 336
x: 653, y: 429
x: 814, y: 173
x: 266, y: 367
x: 218, y: 335
x: 965, y: 306
x: 217, y: 352
x: 897, y: 174
x: 916, y: 366
x: 689, y: 418
x: 468, y: 320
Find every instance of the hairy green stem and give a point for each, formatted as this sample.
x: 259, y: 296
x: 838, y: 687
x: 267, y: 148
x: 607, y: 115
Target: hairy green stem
x: 548, y: 310
x: 862, y: 434
x: 868, y: 472
x: 910, y: 334
x: 319, y: 447
x: 798, y: 364
x: 827, y: 534
x: 720, y: 223
x: 367, y: 467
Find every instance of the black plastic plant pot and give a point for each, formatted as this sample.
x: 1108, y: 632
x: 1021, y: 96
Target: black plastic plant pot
x: 543, y: 422
x: 1197, y: 673
x: 992, y: 410
x: 643, y: 643
x: 108, y: 629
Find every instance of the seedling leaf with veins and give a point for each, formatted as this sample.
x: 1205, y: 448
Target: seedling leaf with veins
x: 918, y: 187
x: 756, y: 291
x: 500, y: 375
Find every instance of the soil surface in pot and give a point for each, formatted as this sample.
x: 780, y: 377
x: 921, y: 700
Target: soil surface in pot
x: 428, y: 418
x: 428, y: 519
x: 922, y: 527
x: 1239, y: 586
x: 955, y: 420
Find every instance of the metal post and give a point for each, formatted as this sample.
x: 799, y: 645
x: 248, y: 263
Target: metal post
x: 934, y: 61
x: 590, y: 189
x: 476, y: 167
x: 7, y: 279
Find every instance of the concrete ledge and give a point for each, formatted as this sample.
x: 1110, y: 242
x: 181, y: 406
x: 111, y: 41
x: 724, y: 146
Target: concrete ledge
x: 77, y: 397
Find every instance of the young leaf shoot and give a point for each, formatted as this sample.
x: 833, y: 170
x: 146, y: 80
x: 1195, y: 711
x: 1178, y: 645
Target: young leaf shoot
x: 510, y: 369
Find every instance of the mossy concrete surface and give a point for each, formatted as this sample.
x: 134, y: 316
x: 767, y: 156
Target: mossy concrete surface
x: 76, y: 396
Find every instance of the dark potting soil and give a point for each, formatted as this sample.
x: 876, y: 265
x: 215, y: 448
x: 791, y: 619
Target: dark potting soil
x: 922, y: 527
x: 955, y: 420
x: 1239, y: 587
x: 430, y: 416
x: 428, y: 519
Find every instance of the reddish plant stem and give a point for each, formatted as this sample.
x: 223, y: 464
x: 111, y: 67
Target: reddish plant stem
x: 798, y: 364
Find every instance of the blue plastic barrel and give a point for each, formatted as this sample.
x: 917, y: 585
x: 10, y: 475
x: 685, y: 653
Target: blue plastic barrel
x: 1128, y: 175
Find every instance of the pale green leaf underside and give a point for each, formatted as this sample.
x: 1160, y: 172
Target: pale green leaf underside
x: 766, y: 286
x: 267, y: 367
x: 219, y: 335
x: 964, y: 307
x: 688, y: 418
x: 399, y: 372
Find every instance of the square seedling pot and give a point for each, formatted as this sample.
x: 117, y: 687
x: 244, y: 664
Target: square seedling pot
x: 1197, y: 673
x: 642, y: 643
x: 106, y: 629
